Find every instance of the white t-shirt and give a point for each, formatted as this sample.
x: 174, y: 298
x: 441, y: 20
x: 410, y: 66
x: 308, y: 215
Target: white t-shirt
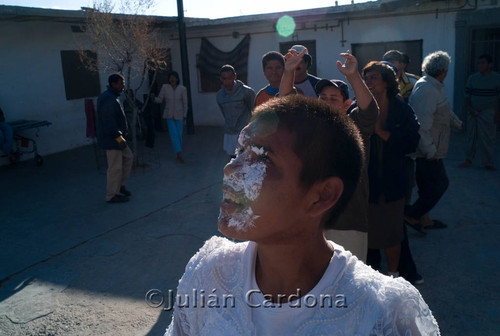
x: 306, y: 86
x: 350, y: 299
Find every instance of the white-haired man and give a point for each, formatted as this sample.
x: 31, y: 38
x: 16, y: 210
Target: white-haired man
x: 428, y: 100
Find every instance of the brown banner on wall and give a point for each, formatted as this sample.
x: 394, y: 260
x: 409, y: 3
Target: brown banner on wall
x: 211, y: 59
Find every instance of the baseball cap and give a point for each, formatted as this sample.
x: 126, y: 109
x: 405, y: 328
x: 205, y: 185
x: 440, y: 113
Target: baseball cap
x: 395, y: 55
x: 298, y: 48
x: 307, y: 58
x: 342, y: 86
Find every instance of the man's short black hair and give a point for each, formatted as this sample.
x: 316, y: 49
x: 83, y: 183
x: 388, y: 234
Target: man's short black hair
x: 272, y: 55
x: 114, y: 78
x: 486, y: 57
x: 227, y: 68
x: 327, y: 142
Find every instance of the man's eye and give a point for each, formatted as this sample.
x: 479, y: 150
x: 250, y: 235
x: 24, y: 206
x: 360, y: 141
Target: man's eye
x: 264, y: 158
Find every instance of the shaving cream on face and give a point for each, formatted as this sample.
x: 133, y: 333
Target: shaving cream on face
x: 246, y: 180
x: 243, y: 220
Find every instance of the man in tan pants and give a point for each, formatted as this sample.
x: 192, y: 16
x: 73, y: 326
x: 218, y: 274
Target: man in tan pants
x: 111, y: 131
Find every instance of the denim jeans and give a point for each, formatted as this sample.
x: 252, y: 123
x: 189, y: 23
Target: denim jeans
x: 175, y: 132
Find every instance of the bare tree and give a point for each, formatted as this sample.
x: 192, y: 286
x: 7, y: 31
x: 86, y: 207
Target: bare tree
x: 127, y: 43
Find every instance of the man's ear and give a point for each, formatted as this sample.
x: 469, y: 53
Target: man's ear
x: 347, y: 104
x: 325, y: 195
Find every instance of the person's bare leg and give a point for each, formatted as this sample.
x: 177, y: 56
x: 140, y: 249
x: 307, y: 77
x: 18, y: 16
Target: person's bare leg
x: 392, y: 255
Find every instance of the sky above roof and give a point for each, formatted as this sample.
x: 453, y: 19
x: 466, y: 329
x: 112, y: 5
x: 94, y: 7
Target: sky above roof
x: 212, y: 9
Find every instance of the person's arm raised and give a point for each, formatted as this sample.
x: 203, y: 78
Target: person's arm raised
x: 350, y: 70
x: 292, y: 61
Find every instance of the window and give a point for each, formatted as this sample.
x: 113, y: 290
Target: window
x: 81, y: 75
x: 366, y: 52
x: 485, y: 41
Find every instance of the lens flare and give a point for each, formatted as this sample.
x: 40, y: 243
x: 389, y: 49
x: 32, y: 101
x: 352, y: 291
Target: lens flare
x: 285, y: 26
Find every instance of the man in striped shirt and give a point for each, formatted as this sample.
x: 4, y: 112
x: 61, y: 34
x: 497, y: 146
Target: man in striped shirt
x: 482, y: 102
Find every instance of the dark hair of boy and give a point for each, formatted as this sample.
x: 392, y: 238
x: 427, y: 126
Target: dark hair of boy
x: 227, y: 68
x: 272, y: 55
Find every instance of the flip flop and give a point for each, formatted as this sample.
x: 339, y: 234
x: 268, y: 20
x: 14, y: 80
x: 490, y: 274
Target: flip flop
x: 437, y: 224
x: 417, y: 227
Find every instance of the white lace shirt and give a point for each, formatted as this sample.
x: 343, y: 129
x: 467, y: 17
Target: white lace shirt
x: 218, y: 295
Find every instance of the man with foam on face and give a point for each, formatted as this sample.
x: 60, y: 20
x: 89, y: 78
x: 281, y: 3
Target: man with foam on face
x: 297, y: 165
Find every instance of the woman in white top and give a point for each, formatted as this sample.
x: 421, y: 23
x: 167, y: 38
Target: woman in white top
x: 176, y: 106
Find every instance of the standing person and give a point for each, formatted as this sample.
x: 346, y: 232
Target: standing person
x: 112, y: 129
x: 407, y: 268
x: 406, y: 80
x: 236, y: 102
x: 273, y: 64
x: 175, y: 112
x: 350, y: 228
x: 304, y: 81
x: 428, y: 100
x: 395, y: 136
x: 482, y: 101
x: 285, y: 278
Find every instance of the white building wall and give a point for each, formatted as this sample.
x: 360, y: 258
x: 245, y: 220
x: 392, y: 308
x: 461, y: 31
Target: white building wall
x: 436, y: 33
x: 32, y: 85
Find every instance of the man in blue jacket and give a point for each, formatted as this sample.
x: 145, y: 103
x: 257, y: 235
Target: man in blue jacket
x: 111, y: 132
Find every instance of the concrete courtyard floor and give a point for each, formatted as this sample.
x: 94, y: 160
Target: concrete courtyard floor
x: 71, y: 264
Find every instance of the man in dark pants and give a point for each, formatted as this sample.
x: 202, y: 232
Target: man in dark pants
x: 111, y: 132
x: 428, y: 100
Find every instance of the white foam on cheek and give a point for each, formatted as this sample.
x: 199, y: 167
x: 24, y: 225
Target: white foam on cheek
x: 242, y: 221
x: 254, y: 176
x: 242, y: 138
x: 249, y: 176
x: 257, y: 150
x: 248, y: 179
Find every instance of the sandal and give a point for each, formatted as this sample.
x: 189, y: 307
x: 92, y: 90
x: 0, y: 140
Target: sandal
x: 436, y: 224
x: 417, y: 227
